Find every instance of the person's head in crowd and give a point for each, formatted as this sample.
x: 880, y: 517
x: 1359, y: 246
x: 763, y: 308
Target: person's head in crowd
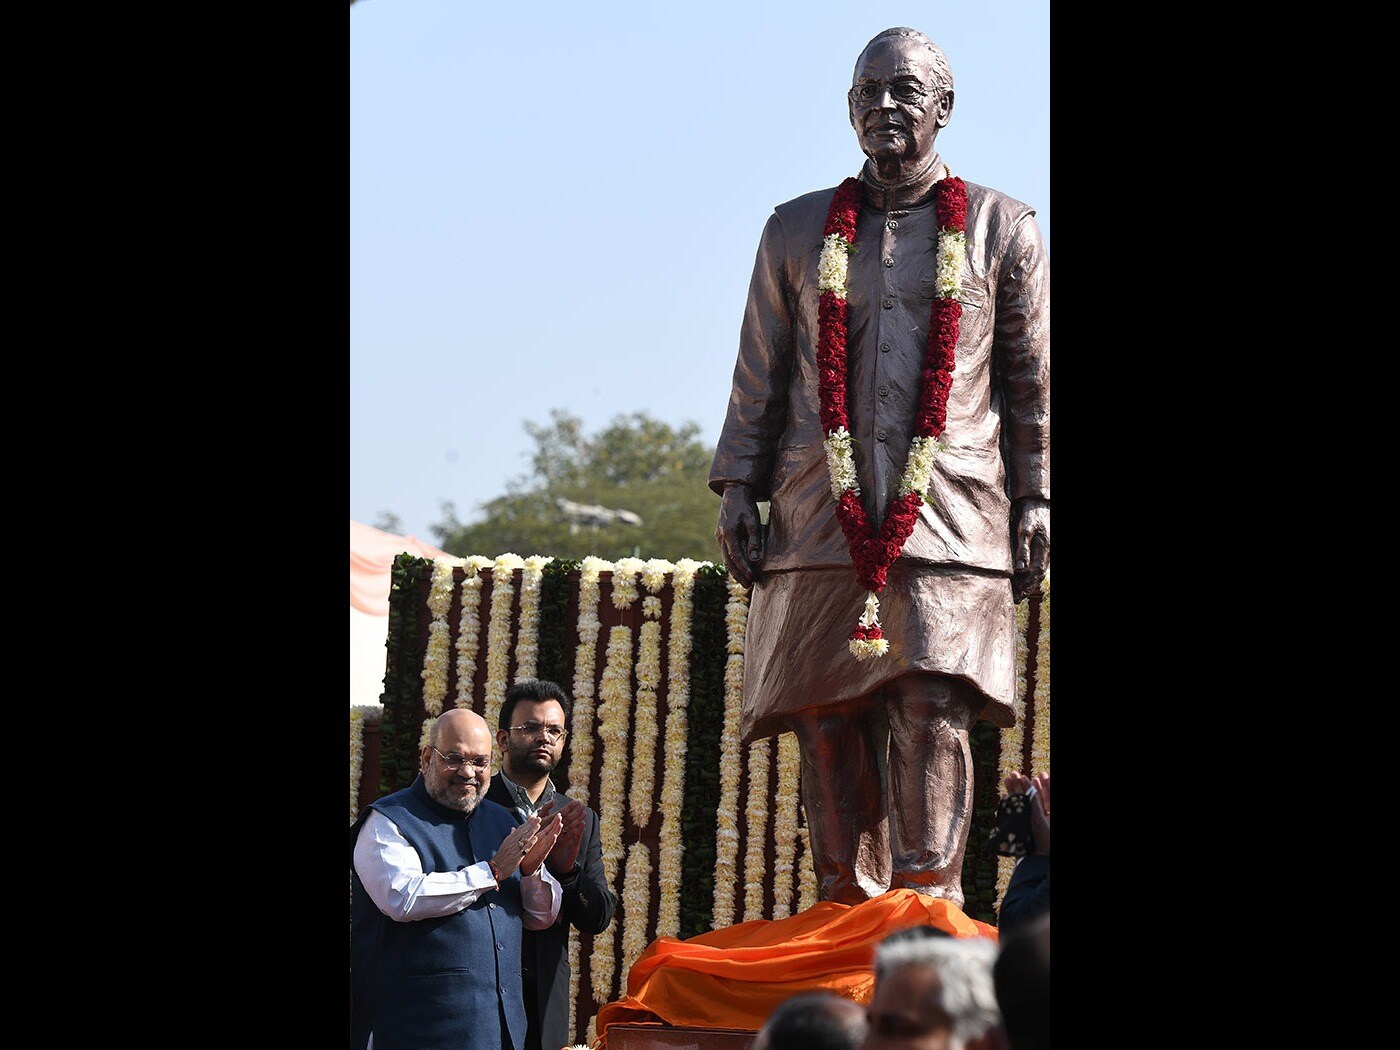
x: 534, y: 723
x: 812, y: 1021
x: 933, y: 993
x: 456, y: 761
x: 1022, y: 979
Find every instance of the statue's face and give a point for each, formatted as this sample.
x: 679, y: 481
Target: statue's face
x: 895, y: 105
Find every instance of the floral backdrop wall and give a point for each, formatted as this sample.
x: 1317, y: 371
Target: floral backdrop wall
x: 698, y: 832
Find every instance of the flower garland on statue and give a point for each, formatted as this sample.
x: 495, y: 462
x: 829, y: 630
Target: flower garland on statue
x: 872, y: 551
x: 726, y: 826
x: 469, y: 629
x: 498, y: 635
x: 756, y: 830
x: 671, y: 847
x: 439, y: 643
x: 615, y: 696
x: 527, y: 635
x: 785, y: 823
x: 640, y: 800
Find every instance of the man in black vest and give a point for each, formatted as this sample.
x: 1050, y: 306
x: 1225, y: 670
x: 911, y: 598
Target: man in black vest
x: 534, y: 720
x: 437, y: 907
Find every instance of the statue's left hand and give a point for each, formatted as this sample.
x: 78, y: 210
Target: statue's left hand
x: 1030, y: 546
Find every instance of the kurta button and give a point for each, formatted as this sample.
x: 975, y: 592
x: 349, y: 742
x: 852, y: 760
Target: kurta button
x: 491, y: 905
x: 500, y: 947
x: 888, y: 304
x: 893, y: 224
x: 889, y: 262
x: 880, y: 434
x: 884, y: 348
x: 884, y: 390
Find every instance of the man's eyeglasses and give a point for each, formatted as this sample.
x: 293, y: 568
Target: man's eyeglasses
x: 554, y: 733
x: 456, y: 761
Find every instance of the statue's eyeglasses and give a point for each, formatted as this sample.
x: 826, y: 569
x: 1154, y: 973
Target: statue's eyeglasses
x: 456, y: 761
x: 869, y: 91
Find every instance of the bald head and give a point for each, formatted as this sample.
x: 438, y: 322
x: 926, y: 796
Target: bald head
x: 456, y: 763
x: 813, y: 1021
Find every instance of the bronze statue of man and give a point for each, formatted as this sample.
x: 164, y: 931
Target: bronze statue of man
x: 891, y: 403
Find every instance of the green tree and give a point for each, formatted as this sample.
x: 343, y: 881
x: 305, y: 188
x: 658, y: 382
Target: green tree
x: 568, y: 505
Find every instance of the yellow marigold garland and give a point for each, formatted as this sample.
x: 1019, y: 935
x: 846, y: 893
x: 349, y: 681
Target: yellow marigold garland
x: 585, y: 665
x: 439, y: 644
x: 756, y: 816
x: 469, y: 628
x: 785, y: 824
x: 671, y: 847
x: 527, y: 636
x: 498, y: 635
x: 726, y: 829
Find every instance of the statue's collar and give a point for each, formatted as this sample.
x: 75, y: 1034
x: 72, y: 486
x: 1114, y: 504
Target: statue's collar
x: 907, y: 193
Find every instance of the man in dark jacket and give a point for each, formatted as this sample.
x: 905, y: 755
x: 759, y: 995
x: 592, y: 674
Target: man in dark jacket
x: 533, y: 725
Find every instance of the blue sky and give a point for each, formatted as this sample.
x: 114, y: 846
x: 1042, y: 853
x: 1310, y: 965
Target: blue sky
x: 557, y: 206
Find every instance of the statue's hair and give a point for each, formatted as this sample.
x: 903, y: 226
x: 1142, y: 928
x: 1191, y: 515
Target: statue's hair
x: 942, y: 72
x: 964, y: 968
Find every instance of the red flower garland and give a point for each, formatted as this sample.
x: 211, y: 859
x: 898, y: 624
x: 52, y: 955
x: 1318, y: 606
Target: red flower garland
x: 874, y: 552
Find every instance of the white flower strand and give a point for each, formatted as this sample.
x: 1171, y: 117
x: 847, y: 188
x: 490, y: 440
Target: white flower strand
x: 841, y: 463
x: 726, y: 826
x: 672, y: 848
x: 807, y: 873
x: 357, y: 758
x: 585, y: 669
x: 624, y: 581
x: 469, y: 629
x: 636, y: 884
x: 832, y: 265
x: 641, y: 800
x: 1013, y: 738
x: 527, y: 636
x: 614, y: 708
x: 434, y: 671
x: 785, y: 823
x: 952, y: 250
x: 498, y: 635
x: 1040, y: 716
x: 756, y: 828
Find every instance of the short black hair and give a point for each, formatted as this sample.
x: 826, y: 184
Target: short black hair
x: 535, y: 689
x: 814, y: 1021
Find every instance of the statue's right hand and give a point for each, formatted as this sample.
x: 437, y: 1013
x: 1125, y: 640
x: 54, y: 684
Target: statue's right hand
x: 739, y: 533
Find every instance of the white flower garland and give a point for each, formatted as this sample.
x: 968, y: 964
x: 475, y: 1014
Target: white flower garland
x: 807, y: 874
x: 726, y: 828
x: 357, y: 758
x: 527, y: 636
x: 498, y: 636
x: 671, y: 846
x: 585, y: 663
x: 434, y: 672
x: 756, y: 815
x: 469, y: 629
x: 785, y: 823
x: 425, y: 735
x: 636, y: 884
x: 614, y: 708
x: 573, y: 984
x: 1013, y: 738
x: 1040, y: 733
x: 641, y: 800
x: 624, y: 581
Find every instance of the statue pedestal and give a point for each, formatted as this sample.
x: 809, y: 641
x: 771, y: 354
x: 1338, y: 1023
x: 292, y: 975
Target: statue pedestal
x: 625, y: 1036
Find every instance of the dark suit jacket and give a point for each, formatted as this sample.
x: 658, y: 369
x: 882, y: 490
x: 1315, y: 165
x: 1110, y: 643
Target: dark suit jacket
x: 1027, y: 894
x: 588, y: 905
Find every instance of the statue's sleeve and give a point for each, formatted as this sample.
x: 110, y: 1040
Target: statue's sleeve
x: 1023, y: 348
x: 758, y: 400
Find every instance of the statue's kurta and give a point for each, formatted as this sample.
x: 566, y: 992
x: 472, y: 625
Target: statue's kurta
x: 947, y: 605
